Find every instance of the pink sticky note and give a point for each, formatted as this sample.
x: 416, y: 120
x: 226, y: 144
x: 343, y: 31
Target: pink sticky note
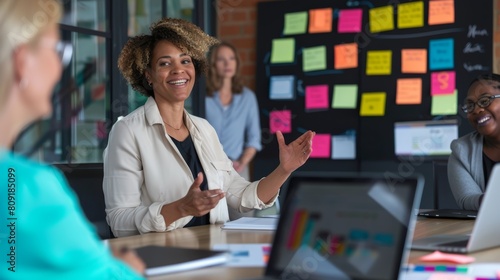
x: 438, y: 256
x: 443, y: 82
x: 317, y: 97
x: 350, y: 20
x: 321, y: 146
x: 280, y: 120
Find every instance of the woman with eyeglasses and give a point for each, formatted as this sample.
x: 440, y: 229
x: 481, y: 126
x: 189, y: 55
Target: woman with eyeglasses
x: 473, y: 155
x: 44, y: 233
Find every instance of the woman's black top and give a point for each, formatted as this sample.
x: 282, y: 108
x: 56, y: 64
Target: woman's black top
x: 188, y: 152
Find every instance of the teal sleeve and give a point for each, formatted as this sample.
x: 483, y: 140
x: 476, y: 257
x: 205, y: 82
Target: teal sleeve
x: 52, y: 237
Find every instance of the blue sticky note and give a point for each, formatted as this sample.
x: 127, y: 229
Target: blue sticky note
x: 441, y: 54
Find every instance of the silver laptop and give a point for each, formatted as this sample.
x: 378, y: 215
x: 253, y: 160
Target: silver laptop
x: 486, y: 227
x: 344, y: 226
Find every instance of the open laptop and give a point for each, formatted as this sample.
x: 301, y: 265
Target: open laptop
x: 486, y: 227
x: 344, y: 226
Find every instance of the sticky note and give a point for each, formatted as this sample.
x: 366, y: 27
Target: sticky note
x: 381, y: 19
x: 350, y: 20
x: 316, y: 97
x: 372, y: 104
x: 345, y: 96
x: 343, y: 147
x: 295, y: 23
x: 448, y: 276
x: 282, y: 87
x: 320, y: 20
x: 414, y: 61
x: 438, y: 256
x: 409, y: 91
x: 379, y: 62
x: 441, y: 54
x: 444, y: 104
x: 283, y: 50
x: 411, y: 15
x: 346, y: 56
x: 441, y: 12
x: 280, y: 121
x: 314, y: 58
x: 321, y: 146
x: 443, y: 82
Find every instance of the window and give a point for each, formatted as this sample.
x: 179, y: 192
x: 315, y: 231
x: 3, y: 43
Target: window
x: 92, y: 94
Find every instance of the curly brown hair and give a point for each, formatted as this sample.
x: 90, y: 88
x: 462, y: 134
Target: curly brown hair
x: 214, y: 82
x: 135, y: 56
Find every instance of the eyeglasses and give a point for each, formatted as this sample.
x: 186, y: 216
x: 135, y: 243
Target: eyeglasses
x: 482, y: 102
x: 65, y: 51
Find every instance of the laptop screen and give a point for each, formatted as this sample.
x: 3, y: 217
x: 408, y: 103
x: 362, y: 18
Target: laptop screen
x: 343, y: 227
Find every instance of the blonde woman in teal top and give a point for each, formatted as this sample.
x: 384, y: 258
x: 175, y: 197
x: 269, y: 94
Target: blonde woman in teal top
x: 44, y: 233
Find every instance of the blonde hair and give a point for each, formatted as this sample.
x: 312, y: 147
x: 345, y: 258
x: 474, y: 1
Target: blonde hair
x: 135, y: 56
x: 214, y: 82
x: 22, y: 22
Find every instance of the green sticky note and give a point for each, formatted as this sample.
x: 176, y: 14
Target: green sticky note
x: 283, y: 50
x: 314, y: 58
x: 295, y: 23
x: 345, y: 96
x: 444, y: 104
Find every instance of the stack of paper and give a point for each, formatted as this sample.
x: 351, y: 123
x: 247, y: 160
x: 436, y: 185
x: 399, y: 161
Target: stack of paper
x: 252, y: 223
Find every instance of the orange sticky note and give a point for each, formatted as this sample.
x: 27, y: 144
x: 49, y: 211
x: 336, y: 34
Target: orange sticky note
x: 321, y: 146
x: 414, y: 61
x: 441, y: 12
x: 320, y: 20
x: 346, y: 56
x: 409, y: 91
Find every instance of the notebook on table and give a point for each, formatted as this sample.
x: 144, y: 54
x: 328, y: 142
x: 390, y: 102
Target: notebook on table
x: 344, y: 226
x: 486, y: 227
x: 164, y: 260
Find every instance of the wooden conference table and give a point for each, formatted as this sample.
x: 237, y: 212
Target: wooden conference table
x: 206, y: 236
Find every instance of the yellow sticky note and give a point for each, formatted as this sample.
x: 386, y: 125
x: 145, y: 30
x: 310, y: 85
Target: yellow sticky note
x: 283, y: 50
x: 409, y: 91
x: 346, y: 56
x: 411, y: 15
x: 372, y: 104
x: 314, y: 58
x: 381, y: 19
x: 345, y: 96
x: 444, y: 104
x: 295, y: 23
x: 320, y: 20
x: 441, y: 12
x: 379, y: 62
x: 414, y: 61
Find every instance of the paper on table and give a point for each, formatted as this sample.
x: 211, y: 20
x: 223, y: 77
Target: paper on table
x: 246, y: 255
x: 252, y: 223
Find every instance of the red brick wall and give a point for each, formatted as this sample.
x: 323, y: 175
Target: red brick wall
x: 237, y: 21
x: 237, y: 24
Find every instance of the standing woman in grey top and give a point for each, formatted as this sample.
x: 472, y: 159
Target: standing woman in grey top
x: 231, y: 108
x: 473, y: 155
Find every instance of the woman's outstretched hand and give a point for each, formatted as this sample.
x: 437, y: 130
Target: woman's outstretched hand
x: 295, y: 154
